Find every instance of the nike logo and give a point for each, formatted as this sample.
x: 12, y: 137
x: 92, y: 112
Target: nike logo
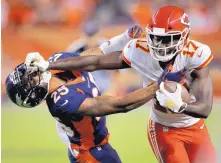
x: 108, y: 42
x: 201, y: 127
x: 199, y: 55
x: 99, y: 148
x: 66, y: 101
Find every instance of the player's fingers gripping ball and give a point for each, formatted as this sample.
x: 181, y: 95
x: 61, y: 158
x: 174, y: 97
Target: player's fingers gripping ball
x: 173, y: 96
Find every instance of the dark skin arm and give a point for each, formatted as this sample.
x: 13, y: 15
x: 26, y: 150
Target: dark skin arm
x: 105, y: 105
x: 92, y: 51
x: 90, y: 63
x: 202, y: 89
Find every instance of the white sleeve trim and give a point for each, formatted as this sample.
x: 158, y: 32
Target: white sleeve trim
x: 116, y: 43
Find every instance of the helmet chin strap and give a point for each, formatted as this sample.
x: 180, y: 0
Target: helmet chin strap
x: 26, y: 99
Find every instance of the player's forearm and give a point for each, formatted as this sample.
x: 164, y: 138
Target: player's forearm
x: 137, y: 98
x: 90, y: 63
x: 111, y: 105
x: 85, y: 63
x: 105, y: 105
x: 92, y: 51
x: 202, y: 89
x: 198, y: 110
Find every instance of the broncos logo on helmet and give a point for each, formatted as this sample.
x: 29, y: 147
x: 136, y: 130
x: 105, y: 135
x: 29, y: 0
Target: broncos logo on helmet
x: 22, y: 89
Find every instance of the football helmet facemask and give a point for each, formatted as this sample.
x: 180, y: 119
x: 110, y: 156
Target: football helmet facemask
x: 167, y: 32
x: 23, y: 90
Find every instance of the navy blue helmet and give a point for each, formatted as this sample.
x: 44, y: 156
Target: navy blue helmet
x: 22, y: 89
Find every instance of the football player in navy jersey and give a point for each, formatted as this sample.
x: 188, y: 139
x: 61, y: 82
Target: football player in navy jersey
x: 75, y: 102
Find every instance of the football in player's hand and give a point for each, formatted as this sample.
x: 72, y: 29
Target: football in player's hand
x: 170, y: 86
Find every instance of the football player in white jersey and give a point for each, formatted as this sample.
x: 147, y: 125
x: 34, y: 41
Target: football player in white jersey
x: 177, y: 134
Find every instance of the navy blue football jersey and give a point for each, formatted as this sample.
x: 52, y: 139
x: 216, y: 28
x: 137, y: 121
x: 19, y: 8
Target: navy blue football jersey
x: 63, y: 103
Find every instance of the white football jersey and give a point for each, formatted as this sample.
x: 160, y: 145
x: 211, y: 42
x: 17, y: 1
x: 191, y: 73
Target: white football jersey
x: 195, y: 55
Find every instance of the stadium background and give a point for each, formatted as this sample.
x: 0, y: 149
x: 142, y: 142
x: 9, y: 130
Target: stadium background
x: 47, y: 26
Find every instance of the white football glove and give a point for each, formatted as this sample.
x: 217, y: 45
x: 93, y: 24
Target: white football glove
x: 35, y: 59
x: 46, y: 77
x: 172, y: 101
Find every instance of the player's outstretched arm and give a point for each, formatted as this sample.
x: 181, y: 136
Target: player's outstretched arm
x: 93, y: 58
x: 105, y: 105
x: 92, y: 51
x: 203, y: 91
x: 90, y: 63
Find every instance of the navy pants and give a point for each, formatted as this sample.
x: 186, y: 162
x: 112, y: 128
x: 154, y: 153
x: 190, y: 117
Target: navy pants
x: 99, y: 154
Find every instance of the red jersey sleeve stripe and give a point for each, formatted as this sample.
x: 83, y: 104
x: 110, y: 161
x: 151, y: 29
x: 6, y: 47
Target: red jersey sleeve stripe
x: 205, y: 63
x: 125, y: 59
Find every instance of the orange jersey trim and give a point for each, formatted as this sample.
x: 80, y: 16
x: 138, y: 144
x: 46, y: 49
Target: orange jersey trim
x: 83, y: 147
x: 205, y: 63
x: 152, y: 137
x: 76, y: 81
x: 86, y: 130
x: 145, y: 49
x: 77, y: 73
x: 125, y: 59
x: 55, y: 71
x: 80, y: 91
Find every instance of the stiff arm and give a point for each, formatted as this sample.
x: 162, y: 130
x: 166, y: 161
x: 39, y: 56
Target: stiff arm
x: 90, y: 63
x: 107, y: 56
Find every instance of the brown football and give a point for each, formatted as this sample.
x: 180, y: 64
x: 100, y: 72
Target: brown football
x: 170, y: 86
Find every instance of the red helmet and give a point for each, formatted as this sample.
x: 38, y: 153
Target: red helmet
x: 167, y: 32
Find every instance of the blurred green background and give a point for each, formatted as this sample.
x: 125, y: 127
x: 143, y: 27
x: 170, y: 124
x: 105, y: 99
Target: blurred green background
x: 29, y: 135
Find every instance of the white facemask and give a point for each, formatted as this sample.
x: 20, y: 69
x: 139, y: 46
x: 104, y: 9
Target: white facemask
x: 164, y: 46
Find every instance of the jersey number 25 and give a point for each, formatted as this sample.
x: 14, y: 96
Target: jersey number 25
x: 56, y: 95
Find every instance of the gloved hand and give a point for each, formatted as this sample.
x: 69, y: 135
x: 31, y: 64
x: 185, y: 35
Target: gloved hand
x: 35, y: 59
x: 171, y: 76
x: 135, y: 31
x: 172, y: 101
x: 46, y: 77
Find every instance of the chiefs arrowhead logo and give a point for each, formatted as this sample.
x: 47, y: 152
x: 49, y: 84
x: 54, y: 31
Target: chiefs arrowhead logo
x: 185, y: 19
